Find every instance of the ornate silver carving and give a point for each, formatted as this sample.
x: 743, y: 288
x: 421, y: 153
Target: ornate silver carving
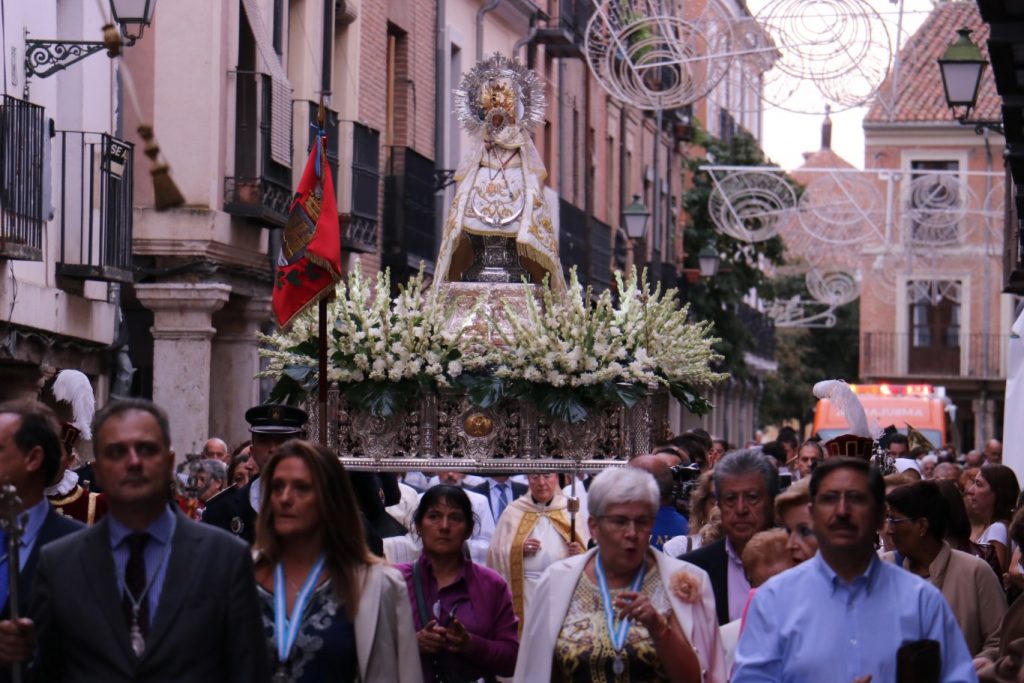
x: 495, y: 259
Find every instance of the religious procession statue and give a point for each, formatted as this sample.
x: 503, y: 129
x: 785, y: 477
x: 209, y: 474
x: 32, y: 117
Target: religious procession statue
x: 499, y: 227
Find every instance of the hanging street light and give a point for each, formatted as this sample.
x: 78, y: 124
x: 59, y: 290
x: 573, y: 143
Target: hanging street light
x: 708, y: 260
x: 962, y: 67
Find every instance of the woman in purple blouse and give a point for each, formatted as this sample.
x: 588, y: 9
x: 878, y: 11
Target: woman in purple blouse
x: 465, y: 627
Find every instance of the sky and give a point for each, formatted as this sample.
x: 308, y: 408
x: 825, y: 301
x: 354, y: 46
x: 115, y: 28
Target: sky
x: 788, y: 135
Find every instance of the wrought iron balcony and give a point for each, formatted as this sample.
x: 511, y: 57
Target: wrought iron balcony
x: 923, y: 355
x: 586, y: 243
x: 563, y: 33
x: 260, y: 187
x: 409, y: 208
x: 23, y: 136
x: 361, y: 223
x: 96, y: 172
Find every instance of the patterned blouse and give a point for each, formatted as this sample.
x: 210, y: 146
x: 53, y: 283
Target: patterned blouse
x: 584, y: 653
x: 325, y: 649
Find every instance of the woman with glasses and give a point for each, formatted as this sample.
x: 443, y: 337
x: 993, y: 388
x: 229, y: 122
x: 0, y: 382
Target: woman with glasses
x: 465, y: 627
x: 918, y: 514
x: 331, y: 611
x: 534, y: 531
x: 622, y: 611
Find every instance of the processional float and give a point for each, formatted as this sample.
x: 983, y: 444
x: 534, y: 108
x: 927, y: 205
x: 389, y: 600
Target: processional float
x: 497, y: 364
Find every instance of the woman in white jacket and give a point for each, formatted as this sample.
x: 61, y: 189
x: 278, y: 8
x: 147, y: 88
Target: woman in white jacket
x: 622, y: 611
x: 330, y: 610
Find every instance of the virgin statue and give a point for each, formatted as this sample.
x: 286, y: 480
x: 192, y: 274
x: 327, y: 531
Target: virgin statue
x: 499, y: 227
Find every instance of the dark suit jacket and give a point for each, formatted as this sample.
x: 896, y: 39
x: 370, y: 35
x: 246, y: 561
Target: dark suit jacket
x: 714, y: 560
x: 484, y: 489
x: 207, y: 627
x: 55, y: 526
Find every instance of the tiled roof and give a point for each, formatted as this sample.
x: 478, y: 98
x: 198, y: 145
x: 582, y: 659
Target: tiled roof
x: 920, y: 97
x: 823, y: 158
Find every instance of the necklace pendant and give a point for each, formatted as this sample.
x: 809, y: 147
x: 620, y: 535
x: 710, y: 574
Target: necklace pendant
x: 618, y: 666
x: 137, y: 641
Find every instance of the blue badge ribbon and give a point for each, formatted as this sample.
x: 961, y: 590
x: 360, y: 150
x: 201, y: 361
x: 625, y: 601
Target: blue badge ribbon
x: 617, y: 634
x: 286, y: 629
x: 320, y: 133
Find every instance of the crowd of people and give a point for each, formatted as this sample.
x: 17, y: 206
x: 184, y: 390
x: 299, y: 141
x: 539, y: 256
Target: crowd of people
x: 697, y: 562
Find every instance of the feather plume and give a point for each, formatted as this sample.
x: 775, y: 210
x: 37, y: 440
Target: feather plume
x: 842, y: 396
x: 73, y: 387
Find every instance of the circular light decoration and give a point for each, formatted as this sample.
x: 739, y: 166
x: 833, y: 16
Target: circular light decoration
x: 841, y: 209
x: 836, y: 52
x: 751, y: 206
x: 936, y: 213
x: 649, y: 56
x: 834, y: 287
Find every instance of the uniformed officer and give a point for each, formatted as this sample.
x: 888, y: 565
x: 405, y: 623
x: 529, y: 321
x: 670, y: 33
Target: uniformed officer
x: 234, y: 509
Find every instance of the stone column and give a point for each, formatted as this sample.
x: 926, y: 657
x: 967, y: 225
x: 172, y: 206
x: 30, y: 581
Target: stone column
x: 235, y: 388
x: 182, y: 330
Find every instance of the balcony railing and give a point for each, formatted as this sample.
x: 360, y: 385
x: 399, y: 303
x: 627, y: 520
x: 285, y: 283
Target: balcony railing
x: 260, y: 187
x: 893, y: 354
x: 22, y: 138
x: 96, y: 172
x: 360, y: 225
x: 761, y: 328
x: 563, y: 33
x: 409, y: 206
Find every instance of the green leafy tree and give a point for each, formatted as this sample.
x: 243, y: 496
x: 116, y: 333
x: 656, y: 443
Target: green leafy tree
x: 742, y: 265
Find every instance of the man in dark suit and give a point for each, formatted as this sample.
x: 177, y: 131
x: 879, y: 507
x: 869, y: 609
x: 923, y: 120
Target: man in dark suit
x: 146, y: 595
x: 745, y: 485
x: 30, y: 455
x: 499, y: 490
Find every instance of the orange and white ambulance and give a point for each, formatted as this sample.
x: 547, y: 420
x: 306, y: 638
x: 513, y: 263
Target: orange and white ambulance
x: 923, y: 406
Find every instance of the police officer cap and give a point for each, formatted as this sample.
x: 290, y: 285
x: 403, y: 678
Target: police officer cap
x: 276, y: 420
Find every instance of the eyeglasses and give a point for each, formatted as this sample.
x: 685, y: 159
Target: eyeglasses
x: 853, y: 498
x: 620, y: 523
x: 897, y: 520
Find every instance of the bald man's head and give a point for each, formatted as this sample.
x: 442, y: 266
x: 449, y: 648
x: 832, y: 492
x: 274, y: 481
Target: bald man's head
x: 660, y: 469
x: 216, y: 449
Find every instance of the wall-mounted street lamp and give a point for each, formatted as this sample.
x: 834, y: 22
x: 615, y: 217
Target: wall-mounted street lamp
x: 962, y: 67
x: 44, y: 58
x: 634, y: 218
x: 708, y: 260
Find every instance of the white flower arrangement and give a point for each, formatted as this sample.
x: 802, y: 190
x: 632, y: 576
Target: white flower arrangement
x: 380, y: 350
x: 568, y: 353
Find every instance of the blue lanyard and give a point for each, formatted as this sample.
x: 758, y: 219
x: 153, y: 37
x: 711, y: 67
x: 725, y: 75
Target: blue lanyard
x: 286, y: 630
x: 617, y: 634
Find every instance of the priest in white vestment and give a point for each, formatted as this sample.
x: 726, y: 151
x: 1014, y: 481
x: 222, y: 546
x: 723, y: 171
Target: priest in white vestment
x: 534, y: 531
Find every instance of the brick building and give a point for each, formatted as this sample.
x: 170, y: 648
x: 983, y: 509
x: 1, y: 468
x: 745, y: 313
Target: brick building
x: 938, y: 316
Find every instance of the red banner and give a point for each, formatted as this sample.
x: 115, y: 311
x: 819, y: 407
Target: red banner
x: 310, y: 261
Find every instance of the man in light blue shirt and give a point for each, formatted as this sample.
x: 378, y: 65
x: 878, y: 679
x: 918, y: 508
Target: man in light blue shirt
x: 843, y: 615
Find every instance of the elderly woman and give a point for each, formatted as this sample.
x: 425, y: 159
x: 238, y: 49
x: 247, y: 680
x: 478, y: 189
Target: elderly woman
x: 622, y: 611
x: 917, y: 524
x: 465, y: 627
x: 534, y: 531
x: 792, y: 511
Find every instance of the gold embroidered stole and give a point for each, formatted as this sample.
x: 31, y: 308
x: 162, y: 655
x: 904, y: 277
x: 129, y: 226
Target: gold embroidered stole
x: 517, y: 579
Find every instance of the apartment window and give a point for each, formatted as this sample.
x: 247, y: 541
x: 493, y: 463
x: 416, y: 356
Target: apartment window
x: 279, y: 27
x: 935, y: 206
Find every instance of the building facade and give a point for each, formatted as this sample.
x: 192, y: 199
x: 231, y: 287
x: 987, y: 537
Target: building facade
x: 933, y: 310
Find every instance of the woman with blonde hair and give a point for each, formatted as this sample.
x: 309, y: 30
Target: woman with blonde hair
x: 622, y: 611
x: 330, y: 610
x: 792, y: 511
